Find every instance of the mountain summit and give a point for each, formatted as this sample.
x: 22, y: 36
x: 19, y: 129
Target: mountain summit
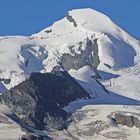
x: 85, y: 34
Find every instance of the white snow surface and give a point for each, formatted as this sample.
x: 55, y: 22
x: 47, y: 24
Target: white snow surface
x: 93, y: 122
x: 9, y: 130
x: 119, y: 67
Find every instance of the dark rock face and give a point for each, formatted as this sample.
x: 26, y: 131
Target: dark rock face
x: 70, y: 19
x: 48, y: 31
x: 6, y: 81
x: 87, y: 57
x: 33, y: 137
x: 38, y: 101
x: 30, y: 137
x: 129, y: 121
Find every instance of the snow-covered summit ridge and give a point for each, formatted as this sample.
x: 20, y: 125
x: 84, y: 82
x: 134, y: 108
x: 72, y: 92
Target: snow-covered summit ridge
x: 82, y: 23
x: 84, y: 37
x: 89, y: 20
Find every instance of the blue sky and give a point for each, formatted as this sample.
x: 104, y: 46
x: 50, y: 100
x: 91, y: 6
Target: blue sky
x: 25, y: 17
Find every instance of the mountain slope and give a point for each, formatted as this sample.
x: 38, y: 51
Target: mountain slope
x: 96, y: 39
x: 103, y: 58
x: 39, y: 101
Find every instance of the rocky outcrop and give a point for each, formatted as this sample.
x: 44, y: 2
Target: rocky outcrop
x: 129, y: 121
x: 34, y: 137
x: 70, y: 19
x: 87, y: 56
x: 6, y: 81
x: 39, y: 100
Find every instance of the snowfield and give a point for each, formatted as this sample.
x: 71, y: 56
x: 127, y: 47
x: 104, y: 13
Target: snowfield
x: 94, y: 122
x: 102, y: 57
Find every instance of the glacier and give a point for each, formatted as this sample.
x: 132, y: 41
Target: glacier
x: 102, y: 57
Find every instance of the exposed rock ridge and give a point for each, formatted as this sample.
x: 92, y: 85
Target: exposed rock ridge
x: 39, y: 100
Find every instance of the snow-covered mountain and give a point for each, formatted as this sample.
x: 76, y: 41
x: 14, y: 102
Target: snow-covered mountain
x: 83, y: 37
x: 102, y: 57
